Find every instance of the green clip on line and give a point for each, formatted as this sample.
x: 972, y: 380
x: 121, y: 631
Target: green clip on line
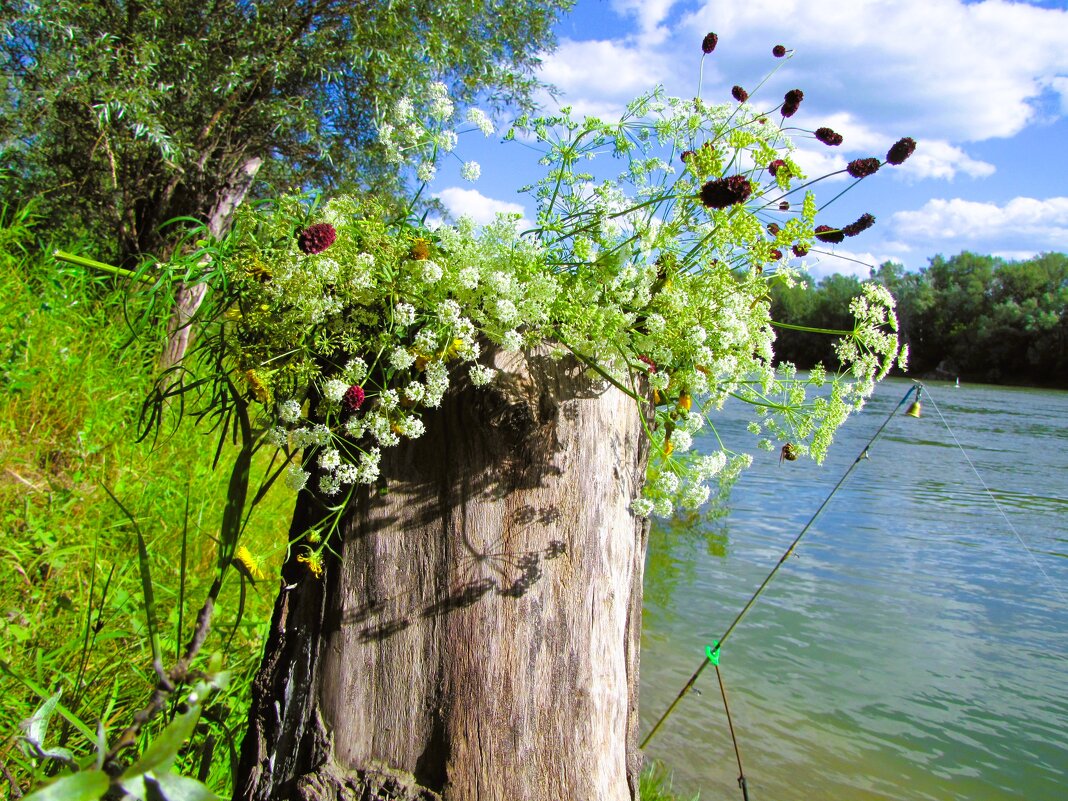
x: 712, y: 652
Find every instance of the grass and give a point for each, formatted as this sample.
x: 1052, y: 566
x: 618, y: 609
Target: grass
x: 72, y: 599
x: 71, y: 592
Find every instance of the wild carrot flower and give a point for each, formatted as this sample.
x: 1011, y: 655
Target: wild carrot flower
x: 901, y: 150
x: 724, y: 192
x: 316, y: 238
x: 708, y: 44
x: 862, y: 168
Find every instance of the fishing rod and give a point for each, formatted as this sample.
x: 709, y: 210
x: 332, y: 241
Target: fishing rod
x: 713, y: 651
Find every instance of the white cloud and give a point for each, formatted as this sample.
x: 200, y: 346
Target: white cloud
x: 824, y: 261
x: 938, y: 159
x: 599, y: 70
x: 472, y: 203
x: 938, y: 68
x: 650, y: 14
x: 1023, y: 223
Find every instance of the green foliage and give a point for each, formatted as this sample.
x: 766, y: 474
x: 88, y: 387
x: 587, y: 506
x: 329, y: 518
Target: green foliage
x: 654, y: 784
x: 72, y: 382
x: 331, y: 329
x: 126, y: 115
x: 977, y: 317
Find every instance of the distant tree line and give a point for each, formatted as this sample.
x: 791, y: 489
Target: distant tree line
x: 979, y: 318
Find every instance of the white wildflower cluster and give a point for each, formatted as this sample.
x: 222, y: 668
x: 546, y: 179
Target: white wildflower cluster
x: 646, y: 278
x: 420, y: 143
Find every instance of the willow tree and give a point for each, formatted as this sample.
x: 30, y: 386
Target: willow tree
x: 478, y: 424
x: 123, y: 116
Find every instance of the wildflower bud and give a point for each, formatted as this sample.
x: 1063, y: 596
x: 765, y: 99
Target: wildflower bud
x: 773, y: 229
x: 686, y: 155
x: 316, y: 238
x: 708, y: 44
x: 776, y: 254
x: 784, y: 205
x: 420, y: 250
x: 828, y: 137
x: 791, y: 102
x: 778, y: 51
x: 824, y: 233
x: 353, y: 399
x: 862, y: 168
x: 739, y: 94
x: 862, y: 223
x: 901, y: 150
x: 724, y: 192
x: 799, y: 250
x: 775, y: 166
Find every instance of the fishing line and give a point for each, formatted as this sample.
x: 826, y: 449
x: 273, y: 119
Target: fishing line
x: 997, y: 505
x: 714, y: 650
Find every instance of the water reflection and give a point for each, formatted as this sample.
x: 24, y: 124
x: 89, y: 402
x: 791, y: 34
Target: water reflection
x: 912, y: 650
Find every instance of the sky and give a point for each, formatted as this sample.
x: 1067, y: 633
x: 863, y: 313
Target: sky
x: 981, y: 86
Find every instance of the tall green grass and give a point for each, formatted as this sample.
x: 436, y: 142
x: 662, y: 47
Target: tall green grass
x: 72, y: 597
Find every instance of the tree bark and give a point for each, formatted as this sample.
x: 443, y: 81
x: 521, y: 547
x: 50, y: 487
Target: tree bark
x: 477, y: 638
x: 188, y: 297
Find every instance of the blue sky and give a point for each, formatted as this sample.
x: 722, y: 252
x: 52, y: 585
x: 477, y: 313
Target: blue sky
x: 981, y: 86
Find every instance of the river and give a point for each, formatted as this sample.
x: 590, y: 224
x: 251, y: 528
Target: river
x: 916, y: 647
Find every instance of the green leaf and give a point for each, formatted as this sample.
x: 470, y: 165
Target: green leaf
x: 36, y: 727
x: 172, y: 787
x: 160, y: 755
x: 87, y: 785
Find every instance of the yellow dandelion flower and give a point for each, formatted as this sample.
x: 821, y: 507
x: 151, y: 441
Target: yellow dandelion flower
x: 247, y: 563
x: 314, y: 561
x: 420, y: 249
x: 257, y: 387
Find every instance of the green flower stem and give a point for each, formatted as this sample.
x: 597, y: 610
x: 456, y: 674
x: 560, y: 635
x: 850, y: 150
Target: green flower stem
x: 810, y: 330
x: 92, y: 264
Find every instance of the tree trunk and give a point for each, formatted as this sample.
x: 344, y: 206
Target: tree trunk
x: 477, y: 639
x: 188, y: 297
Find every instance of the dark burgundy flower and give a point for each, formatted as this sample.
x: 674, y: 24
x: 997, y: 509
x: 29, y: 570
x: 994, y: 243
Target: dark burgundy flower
x: 862, y: 223
x: 775, y: 166
x: 862, y: 168
x: 316, y: 238
x: 724, y: 192
x: 739, y: 94
x: 824, y: 233
x: 353, y: 399
x: 901, y: 150
x: 784, y: 205
x: 778, y: 51
x: 686, y: 155
x: 791, y: 102
x: 648, y: 360
x: 776, y: 254
x: 773, y: 229
x: 829, y: 137
x: 708, y: 44
x: 800, y: 250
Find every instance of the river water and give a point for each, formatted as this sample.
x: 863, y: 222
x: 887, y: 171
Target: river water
x: 916, y: 647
